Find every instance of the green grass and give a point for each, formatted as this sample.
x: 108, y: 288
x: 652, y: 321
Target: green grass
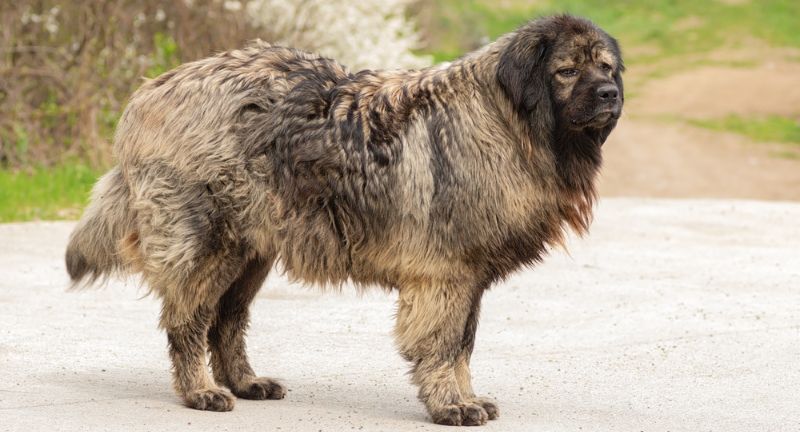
x: 786, y: 154
x: 652, y: 30
x: 763, y: 129
x: 45, y: 193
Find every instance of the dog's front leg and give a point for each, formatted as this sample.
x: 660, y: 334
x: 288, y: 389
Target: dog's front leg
x: 463, y: 375
x: 431, y: 323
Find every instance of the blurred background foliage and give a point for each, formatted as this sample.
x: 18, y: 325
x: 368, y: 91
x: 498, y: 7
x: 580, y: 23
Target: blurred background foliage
x: 68, y: 66
x: 651, y: 30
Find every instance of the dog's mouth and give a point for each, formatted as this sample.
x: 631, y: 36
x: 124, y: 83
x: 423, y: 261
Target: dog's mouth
x: 600, y: 119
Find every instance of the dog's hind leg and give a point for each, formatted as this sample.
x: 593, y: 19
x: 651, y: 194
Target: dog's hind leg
x: 189, y: 254
x: 431, y: 323
x: 226, y: 337
x: 191, y: 379
x: 188, y: 310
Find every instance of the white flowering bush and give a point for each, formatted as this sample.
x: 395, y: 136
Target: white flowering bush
x: 362, y: 34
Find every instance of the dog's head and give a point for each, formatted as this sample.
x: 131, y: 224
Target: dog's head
x: 564, y: 71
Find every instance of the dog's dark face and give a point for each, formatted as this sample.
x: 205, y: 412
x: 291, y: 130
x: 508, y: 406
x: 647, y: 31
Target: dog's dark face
x: 585, y: 81
x: 564, y: 72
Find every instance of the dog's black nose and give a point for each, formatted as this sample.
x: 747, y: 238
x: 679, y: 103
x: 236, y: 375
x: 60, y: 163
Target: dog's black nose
x: 607, y: 92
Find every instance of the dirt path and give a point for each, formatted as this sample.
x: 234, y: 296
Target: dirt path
x: 653, y: 154
x: 653, y: 159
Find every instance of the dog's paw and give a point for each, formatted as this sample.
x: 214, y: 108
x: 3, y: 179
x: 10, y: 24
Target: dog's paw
x: 260, y: 389
x: 210, y: 400
x: 489, y: 405
x: 468, y: 414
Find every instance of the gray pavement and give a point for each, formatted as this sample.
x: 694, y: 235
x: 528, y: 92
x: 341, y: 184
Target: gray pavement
x: 670, y: 316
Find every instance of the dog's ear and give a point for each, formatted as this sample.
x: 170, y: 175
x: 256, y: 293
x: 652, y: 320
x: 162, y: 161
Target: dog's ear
x: 522, y: 74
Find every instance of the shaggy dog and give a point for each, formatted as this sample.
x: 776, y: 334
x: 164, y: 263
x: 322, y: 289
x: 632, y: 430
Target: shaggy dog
x: 435, y: 182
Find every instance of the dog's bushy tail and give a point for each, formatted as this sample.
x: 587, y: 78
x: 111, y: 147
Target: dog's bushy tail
x: 92, y: 250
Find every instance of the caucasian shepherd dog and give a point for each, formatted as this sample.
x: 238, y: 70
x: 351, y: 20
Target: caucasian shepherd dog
x: 435, y: 182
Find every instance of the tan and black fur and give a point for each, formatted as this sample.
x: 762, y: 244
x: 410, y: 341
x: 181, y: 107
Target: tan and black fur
x: 435, y: 182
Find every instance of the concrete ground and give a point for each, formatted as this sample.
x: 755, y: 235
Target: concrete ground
x: 670, y: 316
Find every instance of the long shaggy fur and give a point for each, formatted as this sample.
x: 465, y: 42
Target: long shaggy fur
x: 436, y: 182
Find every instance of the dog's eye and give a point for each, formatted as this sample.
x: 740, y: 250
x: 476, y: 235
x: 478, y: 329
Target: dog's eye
x: 568, y: 73
x: 605, y: 66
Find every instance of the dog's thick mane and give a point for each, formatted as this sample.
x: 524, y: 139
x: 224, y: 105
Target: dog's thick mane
x: 357, y: 123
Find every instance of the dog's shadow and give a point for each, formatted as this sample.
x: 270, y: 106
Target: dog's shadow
x: 115, y: 384
x: 153, y: 386
x: 347, y: 394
